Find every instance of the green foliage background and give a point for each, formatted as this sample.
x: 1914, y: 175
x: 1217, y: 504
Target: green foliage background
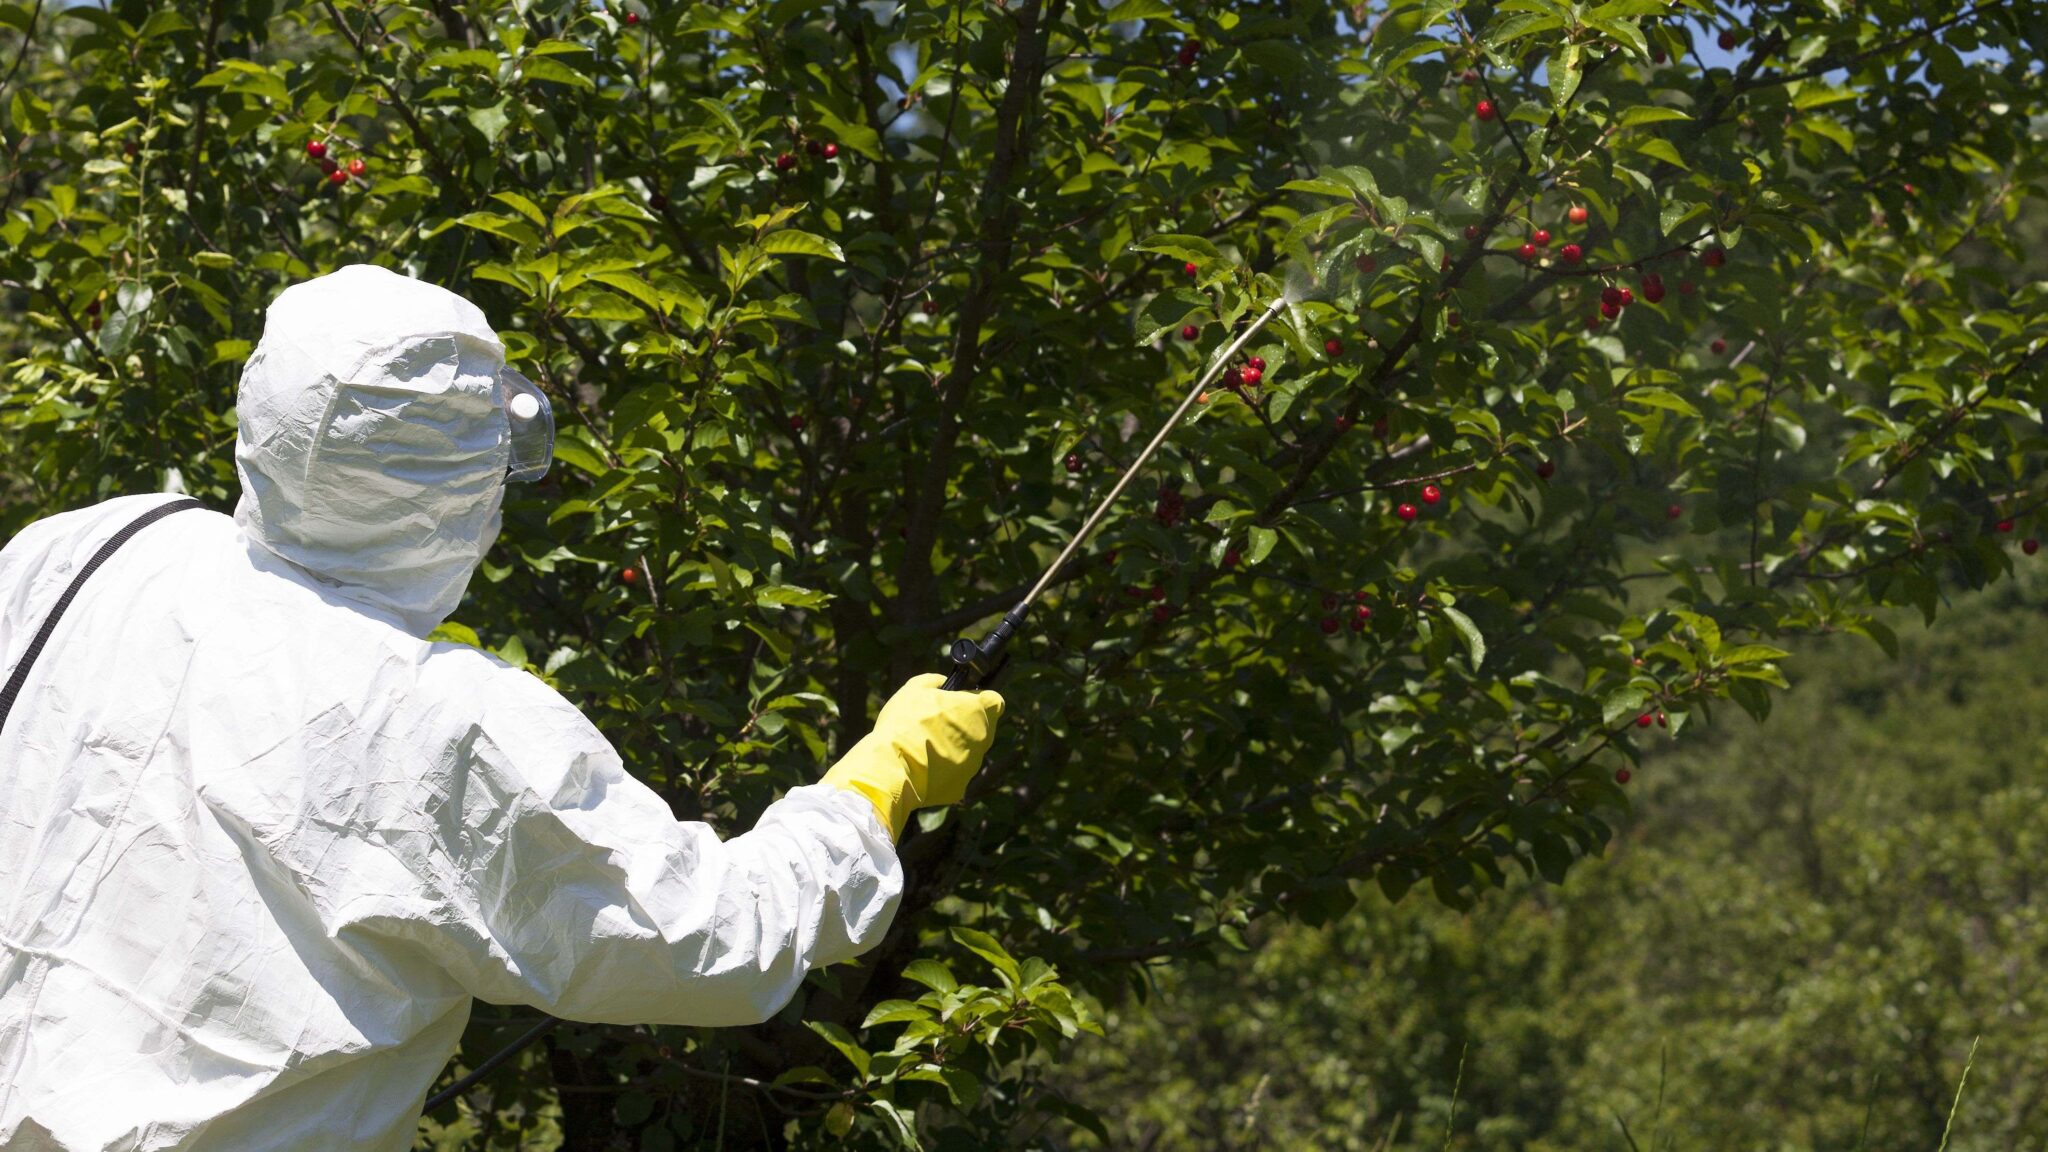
x: 1795, y: 944
x: 822, y: 405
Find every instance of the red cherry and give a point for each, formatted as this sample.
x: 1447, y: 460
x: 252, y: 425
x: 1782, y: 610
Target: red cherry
x: 1342, y: 422
x: 1527, y: 251
x: 1330, y: 601
x: 1715, y: 257
x: 328, y: 167
x: 1545, y: 469
x: 814, y: 148
x: 1232, y: 557
x: 1330, y: 624
x: 1157, y: 593
x: 1362, y: 612
x: 1233, y: 378
x: 632, y: 18
x: 2004, y: 526
x: 1687, y: 288
x: 796, y: 423
x: 1188, y: 52
x: 1622, y: 776
x: 1379, y: 428
x: 1256, y: 363
x: 357, y: 167
x: 830, y: 151
x: 1645, y: 720
x: 1593, y: 323
x: 2030, y: 545
x: 1359, y: 596
x: 1366, y: 264
x: 1663, y: 721
x: 1190, y: 332
x: 316, y: 149
x: 1571, y: 253
x: 785, y: 162
x: 1191, y: 270
x: 1471, y: 231
x: 1609, y: 311
x: 1542, y: 237
x: 1431, y: 494
x: 1252, y: 376
x: 1468, y: 77
x: 1726, y: 40
x: 1407, y: 512
x: 1161, y: 614
x: 1485, y: 110
x: 1454, y: 319
x: 1653, y: 291
x: 1611, y: 295
x: 1627, y: 297
x: 1657, y: 57
x: 337, y: 177
x: 1719, y: 345
x: 1576, y: 213
x: 1072, y: 462
x: 629, y: 575
x: 1333, y: 347
x: 1358, y: 623
x: 931, y: 307
x: 658, y: 202
x: 1673, y: 512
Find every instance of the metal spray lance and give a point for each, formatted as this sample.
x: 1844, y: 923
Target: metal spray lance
x: 975, y: 663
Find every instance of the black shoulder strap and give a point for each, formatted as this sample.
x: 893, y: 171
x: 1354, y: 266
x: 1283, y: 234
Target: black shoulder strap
x: 35, y: 646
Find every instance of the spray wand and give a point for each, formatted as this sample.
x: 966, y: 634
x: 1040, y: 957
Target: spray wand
x: 975, y: 664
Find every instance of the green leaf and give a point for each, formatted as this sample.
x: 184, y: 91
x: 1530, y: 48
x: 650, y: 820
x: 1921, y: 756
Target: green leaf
x: 894, y: 1012
x: 1661, y: 398
x: 580, y: 456
x: 990, y: 949
x: 1627, y: 701
x: 1137, y: 10
x: 1659, y: 148
x: 932, y: 974
x: 1474, y: 642
x: 1564, y: 75
x: 1261, y: 541
x: 525, y: 207
x: 1186, y: 249
x: 793, y: 242
x: 550, y: 69
x: 842, y: 1040
x: 1639, y: 114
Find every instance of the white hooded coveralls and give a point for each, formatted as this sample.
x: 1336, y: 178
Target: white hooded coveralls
x: 261, y: 842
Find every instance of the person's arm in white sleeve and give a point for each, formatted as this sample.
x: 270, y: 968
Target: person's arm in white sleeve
x: 570, y: 886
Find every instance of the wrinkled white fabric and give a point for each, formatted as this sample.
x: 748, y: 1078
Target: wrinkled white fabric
x: 261, y: 842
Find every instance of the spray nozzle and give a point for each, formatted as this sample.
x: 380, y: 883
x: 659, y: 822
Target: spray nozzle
x: 974, y: 664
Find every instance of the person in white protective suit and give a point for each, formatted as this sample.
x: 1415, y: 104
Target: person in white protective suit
x: 261, y: 842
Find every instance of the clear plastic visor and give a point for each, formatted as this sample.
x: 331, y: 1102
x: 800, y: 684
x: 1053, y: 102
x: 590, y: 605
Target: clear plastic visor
x: 533, y: 427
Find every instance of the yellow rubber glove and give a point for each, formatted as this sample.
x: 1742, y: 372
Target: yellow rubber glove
x: 926, y: 746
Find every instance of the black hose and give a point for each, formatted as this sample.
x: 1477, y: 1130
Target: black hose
x: 491, y: 1065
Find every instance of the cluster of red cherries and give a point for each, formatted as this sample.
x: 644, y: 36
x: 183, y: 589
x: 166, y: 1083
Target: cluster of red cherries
x: 336, y: 172
x: 1333, y: 616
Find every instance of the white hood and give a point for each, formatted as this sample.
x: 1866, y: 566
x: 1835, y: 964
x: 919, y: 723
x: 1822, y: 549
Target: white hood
x: 373, y: 442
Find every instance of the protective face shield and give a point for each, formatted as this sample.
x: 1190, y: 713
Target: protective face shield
x: 533, y: 427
